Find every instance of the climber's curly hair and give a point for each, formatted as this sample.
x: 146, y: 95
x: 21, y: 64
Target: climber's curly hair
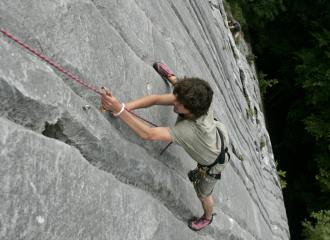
x: 195, y: 94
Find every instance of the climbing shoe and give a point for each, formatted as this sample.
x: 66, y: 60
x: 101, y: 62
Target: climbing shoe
x: 200, y: 223
x: 163, y: 70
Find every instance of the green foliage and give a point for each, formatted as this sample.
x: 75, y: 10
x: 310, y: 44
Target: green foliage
x: 241, y: 34
x: 323, y: 163
x: 263, y: 84
x: 232, y: 8
x: 227, y: 7
x: 293, y: 46
x: 318, y: 125
x: 250, y: 58
x: 281, y: 175
x: 314, y: 73
x: 224, y: 48
x: 321, y: 229
x: 240, y: 157
x: 247, y: 100
x: 255, y: 11
x: 238, y: 39
x: 250, y: 113
x: 314, y: 77
x: 261, y: 75
x: 262, y: 143
x: 237, y: 13
x: 235, y: 55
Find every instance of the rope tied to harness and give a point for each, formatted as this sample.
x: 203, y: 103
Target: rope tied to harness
x: 75, y: 78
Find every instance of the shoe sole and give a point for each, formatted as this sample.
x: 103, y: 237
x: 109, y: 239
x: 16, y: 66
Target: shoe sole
x: 196, y: 230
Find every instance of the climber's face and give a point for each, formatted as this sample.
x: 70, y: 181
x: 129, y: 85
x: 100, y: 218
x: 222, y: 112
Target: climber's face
x: 179, y: 108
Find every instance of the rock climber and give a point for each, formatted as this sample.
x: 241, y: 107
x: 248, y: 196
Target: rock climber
x: 237, y: 28
x: 195, y: 130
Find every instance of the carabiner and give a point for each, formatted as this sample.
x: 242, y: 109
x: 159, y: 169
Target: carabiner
x: 101, y: 107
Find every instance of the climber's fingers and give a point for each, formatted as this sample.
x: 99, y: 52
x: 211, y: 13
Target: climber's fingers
x: 109, y: 94
x: 109, y: 102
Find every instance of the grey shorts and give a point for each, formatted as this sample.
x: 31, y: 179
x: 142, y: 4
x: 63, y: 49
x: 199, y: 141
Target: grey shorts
x: 236, y: 33
x: 205, y: 187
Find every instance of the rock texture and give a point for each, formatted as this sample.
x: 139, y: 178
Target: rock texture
x: 70, y: 173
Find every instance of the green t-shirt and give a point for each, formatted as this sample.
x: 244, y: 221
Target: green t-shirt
x: 200, y: 138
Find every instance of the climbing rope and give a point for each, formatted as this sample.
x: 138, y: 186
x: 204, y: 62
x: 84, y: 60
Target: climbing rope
x: 73, y: 77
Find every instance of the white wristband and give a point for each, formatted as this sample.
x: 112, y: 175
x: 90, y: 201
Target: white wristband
x: 121, y: 110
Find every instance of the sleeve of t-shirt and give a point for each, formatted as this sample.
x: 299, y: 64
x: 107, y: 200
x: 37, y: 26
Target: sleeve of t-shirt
x: 181, y: 134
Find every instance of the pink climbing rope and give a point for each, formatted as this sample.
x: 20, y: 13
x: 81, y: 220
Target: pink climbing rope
x: 51, y: 63
x: 71, y: 76
x: 166, y: 148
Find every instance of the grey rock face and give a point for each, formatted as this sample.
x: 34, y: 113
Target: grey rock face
x: 74, y: 173
x: 49, y: 191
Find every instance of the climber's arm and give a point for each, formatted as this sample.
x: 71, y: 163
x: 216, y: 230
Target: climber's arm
x: 142, y: 130
x: 151, y: 100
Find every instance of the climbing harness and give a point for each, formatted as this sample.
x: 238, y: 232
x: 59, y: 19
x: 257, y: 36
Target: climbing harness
x: 196, y: 175
x: 199, y: 172
x: 76, y: 79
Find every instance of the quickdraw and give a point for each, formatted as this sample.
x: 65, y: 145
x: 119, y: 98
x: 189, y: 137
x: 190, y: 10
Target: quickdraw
x: 75, y: 78
x: 102, y: 108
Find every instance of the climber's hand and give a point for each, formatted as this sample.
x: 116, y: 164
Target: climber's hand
x: 111, y: 103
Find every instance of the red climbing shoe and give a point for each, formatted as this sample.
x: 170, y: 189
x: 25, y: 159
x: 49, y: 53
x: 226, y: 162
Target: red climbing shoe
x: 163, y: 70
x: 200, y: 223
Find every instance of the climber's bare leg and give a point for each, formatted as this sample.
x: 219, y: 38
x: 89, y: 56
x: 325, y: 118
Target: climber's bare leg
x: 207, y: 205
